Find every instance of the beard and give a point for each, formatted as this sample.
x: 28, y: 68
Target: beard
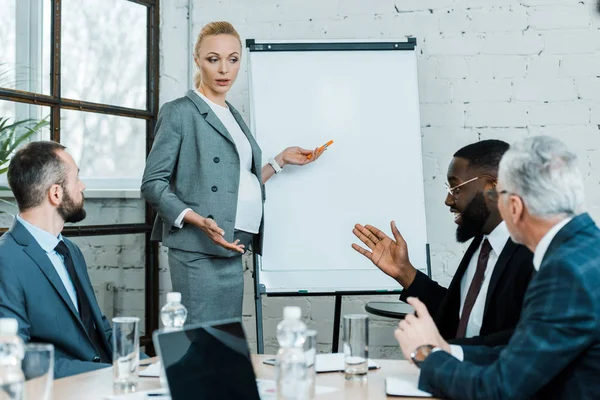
x: 474, y: 218
x: 70, y: 211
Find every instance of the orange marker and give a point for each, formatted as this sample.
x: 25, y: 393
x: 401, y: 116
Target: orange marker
x: 326, y: 145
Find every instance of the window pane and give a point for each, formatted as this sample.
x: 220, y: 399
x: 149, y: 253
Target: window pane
x: 104, y: 52
x: 109, y: 150
x: 25, y: 44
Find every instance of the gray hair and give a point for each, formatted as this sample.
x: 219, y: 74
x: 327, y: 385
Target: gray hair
x: 544, y: 173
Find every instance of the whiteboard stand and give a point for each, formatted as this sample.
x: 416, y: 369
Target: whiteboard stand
x: 260, y: 290
x: 308, y: 92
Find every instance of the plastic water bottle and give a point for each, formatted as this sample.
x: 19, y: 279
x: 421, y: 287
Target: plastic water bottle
x: 173, y: 316
x: 12, y: 351
x: 291, y: 371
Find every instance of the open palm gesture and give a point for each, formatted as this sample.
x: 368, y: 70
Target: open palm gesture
x: 388, y: 255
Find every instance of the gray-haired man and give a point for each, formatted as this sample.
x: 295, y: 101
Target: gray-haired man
x: 555, y: 350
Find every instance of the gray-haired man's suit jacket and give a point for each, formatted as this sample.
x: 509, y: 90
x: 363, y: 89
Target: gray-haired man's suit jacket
x: 194, y: 163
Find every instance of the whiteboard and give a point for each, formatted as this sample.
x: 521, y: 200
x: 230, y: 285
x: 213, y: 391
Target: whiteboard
x: 367, y: 101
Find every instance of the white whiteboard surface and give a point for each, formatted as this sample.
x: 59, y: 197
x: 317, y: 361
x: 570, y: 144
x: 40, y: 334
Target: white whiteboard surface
x: 368, y: 103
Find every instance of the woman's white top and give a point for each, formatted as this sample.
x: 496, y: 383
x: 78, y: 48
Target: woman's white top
x: 249, y: 205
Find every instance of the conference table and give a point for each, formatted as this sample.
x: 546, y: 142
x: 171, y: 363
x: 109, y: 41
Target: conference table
x: 97, y: 385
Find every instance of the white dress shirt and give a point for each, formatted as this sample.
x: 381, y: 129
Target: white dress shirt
x: 249, y: 203
x: 538, y: 257
x: 48, y: 242
x: 497, y: 238
x: 544, y: 243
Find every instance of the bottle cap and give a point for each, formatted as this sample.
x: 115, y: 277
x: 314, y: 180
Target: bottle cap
x: 173, y: 297
x: 292, y: 312
x: 8, y: 326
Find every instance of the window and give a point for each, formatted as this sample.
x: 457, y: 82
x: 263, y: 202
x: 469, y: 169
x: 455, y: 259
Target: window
x: 90, y: 68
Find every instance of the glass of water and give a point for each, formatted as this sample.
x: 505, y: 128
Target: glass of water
x: 310, y: 356
x: 38, y: 369
x: 126, y: 354
x: 356, y: 346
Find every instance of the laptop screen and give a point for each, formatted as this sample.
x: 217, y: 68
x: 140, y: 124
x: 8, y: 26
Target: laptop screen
x: 208, y: 362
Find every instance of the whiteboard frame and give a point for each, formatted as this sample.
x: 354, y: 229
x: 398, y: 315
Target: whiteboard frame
x: 386, y: 284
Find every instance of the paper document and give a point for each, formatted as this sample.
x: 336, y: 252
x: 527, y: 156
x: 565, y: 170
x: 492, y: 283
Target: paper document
x: 406, y: 385
x: 152, y: 371
x: 335, y: 362
x: 159, y: 394
x: 267, y: 389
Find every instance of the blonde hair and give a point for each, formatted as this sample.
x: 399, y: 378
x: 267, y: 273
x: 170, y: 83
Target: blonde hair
x: 212, y: 29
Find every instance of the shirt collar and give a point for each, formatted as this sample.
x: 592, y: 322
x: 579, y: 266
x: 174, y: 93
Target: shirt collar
x: 46, y: 240
x: 542, y: 247
x: 498, y: 238
x: 209, y: 101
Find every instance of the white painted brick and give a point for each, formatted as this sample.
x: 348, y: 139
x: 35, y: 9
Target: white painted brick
x: 417, y: 24
x: 547, y: 2
x: 483, y: 67
x: 574, y: 113
x: 543, y: 67
x: 518, y: 43
x: 427, y: 68
x: 467, y: 44
x: 580, y: 65
x: 560, y: 17
x: 453, y: 22
x: 496, y: 114
x: 434, y: 90
x: 488, y: 90
x: 476, y: 4
x: 509, y: 135
x: 452, y: 67
x: 508, y: 66
x: 442, y: 115
x: 595, y: 117
x: 571, y: 42
x: 589, y: 89
x: 174, y: 66
x: 422, y: 5
x: 442, y: 142
x: 511, y: 18
x: 537, y: 89
x: 353, y: 7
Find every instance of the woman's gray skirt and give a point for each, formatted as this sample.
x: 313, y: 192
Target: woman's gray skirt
x: 211, y: 287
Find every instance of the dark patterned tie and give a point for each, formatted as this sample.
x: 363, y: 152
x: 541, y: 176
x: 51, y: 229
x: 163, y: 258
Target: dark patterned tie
x: 474, y: 289
x: 83, y: 304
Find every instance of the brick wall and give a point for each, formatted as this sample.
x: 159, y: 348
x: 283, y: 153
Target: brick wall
x: 501, y: 69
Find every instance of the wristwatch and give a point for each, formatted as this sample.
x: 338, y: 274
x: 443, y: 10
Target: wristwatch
x: 275, y: 165
x: 420, y: 354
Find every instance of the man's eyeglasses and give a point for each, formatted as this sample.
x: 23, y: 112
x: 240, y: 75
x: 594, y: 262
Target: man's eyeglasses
x: 454, y: 191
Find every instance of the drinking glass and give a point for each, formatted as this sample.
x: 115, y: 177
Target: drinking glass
x: 126, y: 354
x: 356, y: 346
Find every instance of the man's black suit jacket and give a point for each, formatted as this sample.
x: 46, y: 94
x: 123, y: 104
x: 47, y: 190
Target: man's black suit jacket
x: 502, y: 311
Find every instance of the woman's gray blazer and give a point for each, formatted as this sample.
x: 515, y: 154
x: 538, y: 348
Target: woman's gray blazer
x: 194, y: 163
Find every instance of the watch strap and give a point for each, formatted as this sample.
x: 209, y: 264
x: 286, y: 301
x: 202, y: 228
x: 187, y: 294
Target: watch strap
x: 275, y: 165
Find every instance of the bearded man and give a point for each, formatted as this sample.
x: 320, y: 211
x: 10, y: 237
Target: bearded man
x: 44, y: 283
x: 482, y: 304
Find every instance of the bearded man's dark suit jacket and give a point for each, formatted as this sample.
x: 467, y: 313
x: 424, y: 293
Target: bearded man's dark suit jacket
x: 503, y: 303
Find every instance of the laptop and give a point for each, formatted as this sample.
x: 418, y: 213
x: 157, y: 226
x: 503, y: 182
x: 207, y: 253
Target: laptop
x: 207, y: 361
